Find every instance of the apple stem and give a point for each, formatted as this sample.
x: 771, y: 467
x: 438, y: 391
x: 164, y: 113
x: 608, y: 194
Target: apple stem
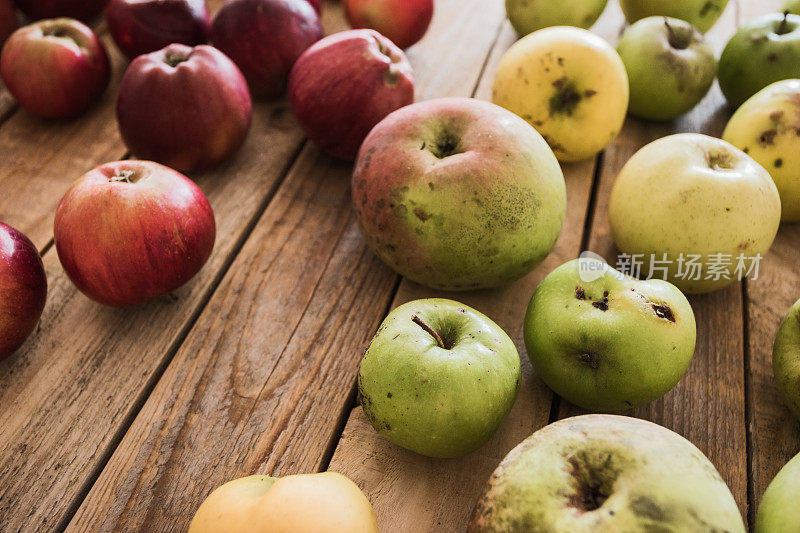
x: 123, y: 175
x: 782, y: 27
x: 418, y: 321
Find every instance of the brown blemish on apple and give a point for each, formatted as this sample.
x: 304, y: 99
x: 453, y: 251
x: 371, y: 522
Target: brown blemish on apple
x: 590, y: 359
x: 768, y: 137
x: 421, y: 214
x: 580, y: 294
x: 664, y: 311
x: 648, y: 508
x: 566, y: 97
x: 778, y: 163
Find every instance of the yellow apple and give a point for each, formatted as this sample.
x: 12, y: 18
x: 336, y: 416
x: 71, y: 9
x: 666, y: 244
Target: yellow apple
x: 305, y: 503
x: 766, y: 128
x: 570, y: 85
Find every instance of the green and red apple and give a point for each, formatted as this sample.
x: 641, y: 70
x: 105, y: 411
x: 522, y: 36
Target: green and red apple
x: 786, y: 359
x: 438, y: 378
x: 763, y: 51
x: 527, y: 16
x: 458, y: 194
x: 304, y: 503
x: 570, y: 85
x: 699, y: 207
x: 606, y: 341
x: 779, y: 512
x: 670, y: 67
x: 766, y: 128
x: 606, y: 473
x: 702, y: 14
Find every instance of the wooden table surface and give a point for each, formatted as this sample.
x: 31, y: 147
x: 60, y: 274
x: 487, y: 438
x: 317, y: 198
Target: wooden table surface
x: 125, y: 419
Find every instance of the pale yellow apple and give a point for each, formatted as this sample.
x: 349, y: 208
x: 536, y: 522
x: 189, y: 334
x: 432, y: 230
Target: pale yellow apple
x: 570, y: 85
x: 305, y: 503
x: 690, y: 199
x: 767, y: 128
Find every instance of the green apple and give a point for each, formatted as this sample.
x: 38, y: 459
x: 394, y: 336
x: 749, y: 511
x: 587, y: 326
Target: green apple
x: 702, y: 14
x: 605, y: 341
x: 569, y: 84
x: 766, y: 128
x: 779, y: 512
x: 457, y: 194
x: 786, y: 359
x: 763, y: 51
x: 695, y: 210
x: 438, y: 378
x: 528, y: 16
x: 670, y: 67
x: 606, y: 473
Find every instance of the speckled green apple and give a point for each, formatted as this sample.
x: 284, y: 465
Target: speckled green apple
x: 767, y: 128
x: 438, y: 378
x: 606, y: 473
x: 458, y: 194
x: 786, y: 359
x: 605, y: 341
x: 686, y: 198
x: 779, y: 512
x: 528, y: 16
x: 702, y: 14
x: 670, y: 67
x: 763, y: 51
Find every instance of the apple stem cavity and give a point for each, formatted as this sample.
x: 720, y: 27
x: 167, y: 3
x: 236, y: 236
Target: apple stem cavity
x: 173, y: 59
x: 676, y: 41
x: 720, y: 161
x: 124, y: 176
x: 418, y: 321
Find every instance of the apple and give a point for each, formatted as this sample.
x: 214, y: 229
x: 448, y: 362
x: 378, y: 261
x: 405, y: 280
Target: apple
x: 702, y: 14
x: 570, y: 85
x: 792, y: 6
x: 404, y: 22
x: 438, y: 378
x: 188, y: 108
x: 762, y: 51
x: 606, y: 473
x: 84, y: 10
x: 765, y: 127
x: 317, y: 5
x: 458, y: 194
x: 143, y: 26
x: 786, y: 359
x: 694, y: 209
x: 23, y: 289
x: 265, y: 38
x: 345, y: 84
x: 55, y: 68
x: 527, y: 16
x: 670, y: 67
x: 778, y: 512
x: 304, y: 503
x: 8, y: 20
x: 130, y: 231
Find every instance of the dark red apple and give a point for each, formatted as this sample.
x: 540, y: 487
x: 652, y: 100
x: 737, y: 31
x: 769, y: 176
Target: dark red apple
x: 55, y: 68
x: 84, y: 10
x: 142, y: 26
x: 188, y: 108
x: 264, y: 38
x: 345, y: 84
x: 130, y: 231
x: 8, y: 20
x: 23, y: 289
x: 402, y: 21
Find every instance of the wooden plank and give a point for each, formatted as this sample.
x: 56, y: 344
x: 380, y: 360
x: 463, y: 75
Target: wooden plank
x: 263, y: 380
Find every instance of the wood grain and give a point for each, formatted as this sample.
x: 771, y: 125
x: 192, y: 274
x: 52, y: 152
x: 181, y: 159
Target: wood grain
x: 264, y: 380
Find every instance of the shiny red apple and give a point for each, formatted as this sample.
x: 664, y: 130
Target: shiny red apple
x: 8, y: 20
x: 130, y: 231
x: 404, y: 22
x: 265, y: 38
x: 55, y: 68
x: 142, y: 26
x: 84, y: 10
x: 345, y: 84
x: 23, y: 289
x: 188, y: 108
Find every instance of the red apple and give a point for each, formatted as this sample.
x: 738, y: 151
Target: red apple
x: 142, y: 26
x: 84, y: 10
x: 130, y: 231
x: 345, y: 84
x: 8, y: 20
x: 23, y: 289
x: 402, y: 21
x: 55, y: 68
x: 264, y: 38
x: 188, y: 108
x: 317, y: 4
